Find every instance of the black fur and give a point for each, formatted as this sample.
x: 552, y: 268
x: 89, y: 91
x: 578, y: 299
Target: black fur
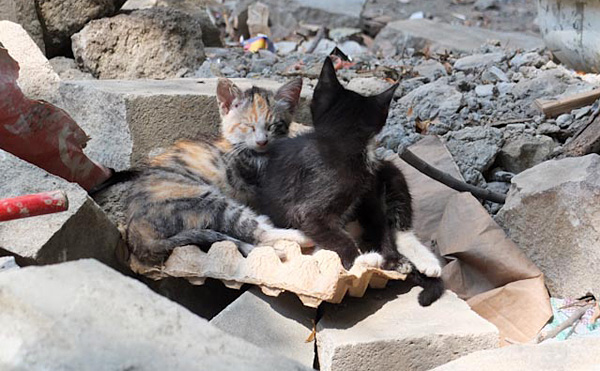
x: 115, y: 178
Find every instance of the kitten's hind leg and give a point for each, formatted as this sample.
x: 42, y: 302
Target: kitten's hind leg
x: 267, y: 233
x: 204, y: 238
x: 424, y: 260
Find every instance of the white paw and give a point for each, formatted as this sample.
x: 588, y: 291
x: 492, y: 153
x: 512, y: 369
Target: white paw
x: 371, y: 260
x: 429, y: 266
x: 288, y: 235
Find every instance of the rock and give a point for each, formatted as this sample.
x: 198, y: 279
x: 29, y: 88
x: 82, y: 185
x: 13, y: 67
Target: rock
x: 151, y: 43
x: 548, y: 129
x: 433, y: 99
x: 478, y: 61
x: 280, y: 325
x: 324, y: 47
x: 388, y: 330
x: 546, y: 84
x: 484, y: 90
x: 564, y: 120
x: 431, y: 69
x: 527, y: 59
x: 83, y: 231
x: 494, y: 74
x: 24, y: 13
x: 524, y: 151
x: 580, y: 112
x: 368, y: 85
x: 418, y: 33
x: 505, y: 87
x: 125, y: 324
x: 552, y: 213
x: 7, y: 262
x: 576, y: 354
x: 37, y: 79
x: 63, y: 18
x: 146, y: 114
x: 485, y: 4
x: 352, y: 48
x: 285, y: 47
x: 66, y: 68
x: 211, y: 35
x: 341, y: 34
x: 474, y: 149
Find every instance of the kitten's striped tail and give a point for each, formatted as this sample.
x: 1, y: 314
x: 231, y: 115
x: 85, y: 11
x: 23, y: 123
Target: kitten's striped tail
x: 115, y: 178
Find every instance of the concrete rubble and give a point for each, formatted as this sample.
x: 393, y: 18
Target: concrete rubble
x: 389, y: 330
x: 580, y: 354
x: 24, y: 13
x: 281, y: 325
x: 552, y: 213
x: 104, y: 320
x: 83, y: 231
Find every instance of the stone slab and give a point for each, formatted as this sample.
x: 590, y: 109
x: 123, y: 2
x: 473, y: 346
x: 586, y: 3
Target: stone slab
x: 576, y: 354
x: 280, y: 324
x: 37, y: 79
x: 85, y: 316
x: 388, y: 330
x: 24, y: 13
x: 83, y: 231
x: 419, y: 33
x: 552, y: 212
x: 127, y: 119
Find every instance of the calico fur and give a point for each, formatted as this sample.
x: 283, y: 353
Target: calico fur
x: 196, y: 192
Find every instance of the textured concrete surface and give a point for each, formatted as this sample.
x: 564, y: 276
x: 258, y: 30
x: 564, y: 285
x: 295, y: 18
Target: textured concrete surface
x: 388, y: 330
x: 552, y: 213
x: 576, y: 354
x: 85, y: 316
x: 280, y: 324
x: 126, y: 119
x: 83, y: 231
x: 24, y: 13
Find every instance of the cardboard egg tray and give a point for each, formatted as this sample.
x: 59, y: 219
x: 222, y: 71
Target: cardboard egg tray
x: 282, y: 267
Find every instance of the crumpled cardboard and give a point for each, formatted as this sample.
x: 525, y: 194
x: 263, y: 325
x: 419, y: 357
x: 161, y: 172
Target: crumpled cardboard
x: 489, y: 271
x: 281, y: 267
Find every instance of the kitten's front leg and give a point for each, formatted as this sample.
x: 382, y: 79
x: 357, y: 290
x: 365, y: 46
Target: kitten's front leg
x: 424, y: 260
x: 267, y: 233
x: 331, y: 236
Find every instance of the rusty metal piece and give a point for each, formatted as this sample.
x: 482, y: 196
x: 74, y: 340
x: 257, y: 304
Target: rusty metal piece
x: 33, y: 205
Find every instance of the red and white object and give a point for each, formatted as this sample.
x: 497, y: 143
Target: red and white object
x: 33, y: 205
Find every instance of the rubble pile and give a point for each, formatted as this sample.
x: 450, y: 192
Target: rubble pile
x: 481, y: 98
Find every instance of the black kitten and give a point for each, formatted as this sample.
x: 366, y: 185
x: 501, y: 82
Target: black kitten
x: 320, y: 181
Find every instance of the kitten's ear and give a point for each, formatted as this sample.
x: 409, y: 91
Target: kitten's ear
x: 328, y: 78
x: 227, y: 92
x: 289, y: 94
x: 384, y: 99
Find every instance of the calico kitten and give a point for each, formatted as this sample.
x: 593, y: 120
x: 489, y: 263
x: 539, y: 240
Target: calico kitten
x: 319, y: 181
x: 196, y: 192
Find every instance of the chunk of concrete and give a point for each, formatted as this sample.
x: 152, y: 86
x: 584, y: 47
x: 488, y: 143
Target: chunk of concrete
x: 7, y: 262
x: 552, y: 212
x: 24, y: 13
x: 478, y: 61
x: 85, y: 316
x: 576, y: 354
x: 83, y: 231
x: 388, y: 330
x: 126, y: 119
x: 280, y: 325
x: 37, y: 79
x: 419, y: 33
x: 525, y: 151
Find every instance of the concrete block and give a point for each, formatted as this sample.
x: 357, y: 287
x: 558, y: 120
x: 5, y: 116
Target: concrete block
x: 85, y: 316
x: 83, y: 231
x: 126, y: 120
x: 24, y: 13
x: 576, y: 354
x: 552, y: 212
x: 37, y: 79
x: 280, y: 324
x: 419, y: 33
x: 7, y: 262
x: 388, y: 330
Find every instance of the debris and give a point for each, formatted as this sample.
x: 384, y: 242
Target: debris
x: 485, y: 4
x: 550, y: 213
x: 553, y: 108
x: 33, y: 205
x: 315, y: 42
x: 58, y: 313
x: 478, y: 61
x: 144, y: 38
x: 524, y: 151
x: 279, y: 325
x: 576, y: 319
x: 258, y: 20
x: 390, y: 320
x: 587, y: 140
x: 43, y: 134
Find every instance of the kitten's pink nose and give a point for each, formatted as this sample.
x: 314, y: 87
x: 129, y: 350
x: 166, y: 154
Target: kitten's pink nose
x: 262, y: 143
